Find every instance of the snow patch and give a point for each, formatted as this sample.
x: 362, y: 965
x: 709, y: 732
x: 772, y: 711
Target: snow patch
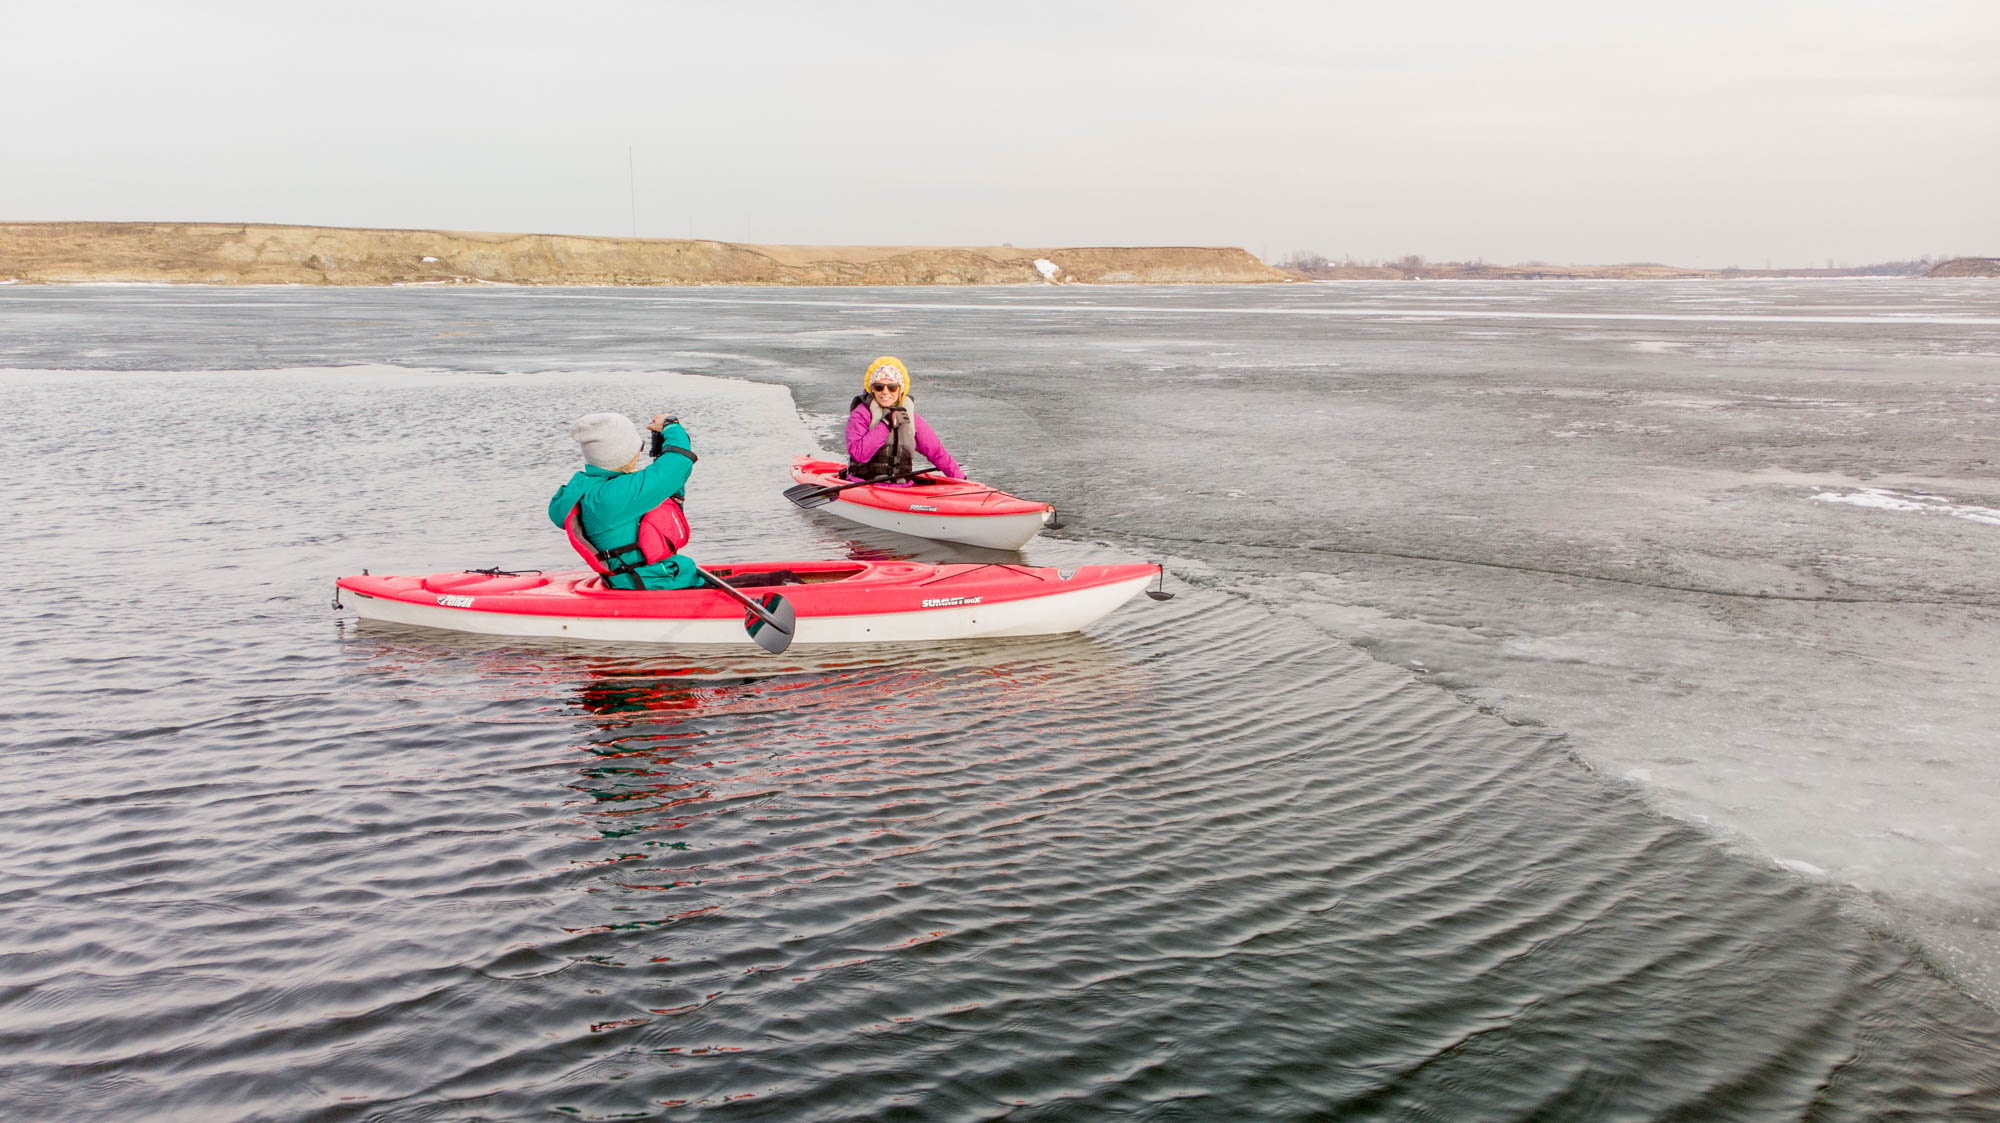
x: 1048, y: 269
x: 1884, y: 499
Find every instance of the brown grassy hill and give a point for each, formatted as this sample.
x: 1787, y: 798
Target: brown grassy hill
x: 219, y: 254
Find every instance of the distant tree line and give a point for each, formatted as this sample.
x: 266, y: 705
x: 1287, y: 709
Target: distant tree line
x: 1312, y: 263
x: 1308, y: 261
x: 1915, y: 267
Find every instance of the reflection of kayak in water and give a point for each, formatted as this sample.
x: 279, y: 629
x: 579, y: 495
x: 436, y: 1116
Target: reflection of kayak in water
x: 834, y: 602
x: 932, y: 507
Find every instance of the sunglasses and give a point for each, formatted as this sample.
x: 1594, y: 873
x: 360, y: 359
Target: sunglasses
x: 885, y: 386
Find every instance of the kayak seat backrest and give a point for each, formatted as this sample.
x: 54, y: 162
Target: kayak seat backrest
x: 765, y: 579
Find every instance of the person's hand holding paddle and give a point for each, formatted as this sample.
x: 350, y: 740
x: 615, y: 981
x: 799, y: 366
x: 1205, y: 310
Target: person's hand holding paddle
x: 659, y: 429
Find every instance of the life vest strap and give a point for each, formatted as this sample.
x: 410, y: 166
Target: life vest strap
x: 628, y: 568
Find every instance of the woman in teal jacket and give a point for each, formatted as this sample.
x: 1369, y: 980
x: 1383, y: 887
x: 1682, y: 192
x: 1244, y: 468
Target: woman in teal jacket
x: 625, y: 511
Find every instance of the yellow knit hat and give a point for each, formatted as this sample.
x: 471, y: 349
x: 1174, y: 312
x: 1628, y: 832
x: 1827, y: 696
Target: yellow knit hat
x: 888, y: 364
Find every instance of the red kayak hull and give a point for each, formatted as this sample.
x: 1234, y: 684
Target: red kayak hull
x: 835, y: 602
x: 946, y: 510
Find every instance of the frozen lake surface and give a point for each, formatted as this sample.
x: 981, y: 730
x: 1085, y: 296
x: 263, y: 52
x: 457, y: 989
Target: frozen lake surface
x: 1582, y: 702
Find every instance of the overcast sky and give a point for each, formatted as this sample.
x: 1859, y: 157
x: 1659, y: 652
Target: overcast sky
x: 1691, y: 132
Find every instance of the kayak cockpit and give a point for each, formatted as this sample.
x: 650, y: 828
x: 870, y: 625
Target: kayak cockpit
x: 751, y: 575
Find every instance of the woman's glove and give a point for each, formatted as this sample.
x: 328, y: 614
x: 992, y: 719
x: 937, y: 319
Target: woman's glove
x: 658, y: 427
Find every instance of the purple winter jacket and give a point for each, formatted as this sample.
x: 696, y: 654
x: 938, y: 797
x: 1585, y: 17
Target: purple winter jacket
x: 866, y: 436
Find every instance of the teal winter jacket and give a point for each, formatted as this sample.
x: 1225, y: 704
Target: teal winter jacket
x: 611, y: 504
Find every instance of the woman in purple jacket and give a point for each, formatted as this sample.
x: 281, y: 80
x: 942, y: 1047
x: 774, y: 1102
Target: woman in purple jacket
x: 884, y: 433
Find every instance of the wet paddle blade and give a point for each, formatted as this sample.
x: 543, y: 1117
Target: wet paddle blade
x: 809, y: 495
x: 775, y: 634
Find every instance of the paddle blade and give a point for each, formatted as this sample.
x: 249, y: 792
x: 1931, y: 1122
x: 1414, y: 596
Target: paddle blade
x: 774, y: 634
x: 809, y: 495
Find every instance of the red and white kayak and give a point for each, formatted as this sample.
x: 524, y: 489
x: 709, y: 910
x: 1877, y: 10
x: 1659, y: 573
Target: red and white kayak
x: 951, y: 511
x: 835, y: 602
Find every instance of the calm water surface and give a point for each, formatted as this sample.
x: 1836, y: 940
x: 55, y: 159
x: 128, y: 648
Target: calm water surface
x: 1372, y: 820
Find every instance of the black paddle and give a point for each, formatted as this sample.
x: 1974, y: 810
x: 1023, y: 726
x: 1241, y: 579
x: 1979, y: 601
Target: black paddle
x: 772, y: 623
x: 809, y: 496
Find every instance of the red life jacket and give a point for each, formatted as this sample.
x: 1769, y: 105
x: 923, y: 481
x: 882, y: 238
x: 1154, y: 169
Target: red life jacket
x: 661, y: 533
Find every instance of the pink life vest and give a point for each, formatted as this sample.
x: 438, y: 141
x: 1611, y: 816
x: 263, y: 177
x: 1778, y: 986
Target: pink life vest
x: 662, y: 532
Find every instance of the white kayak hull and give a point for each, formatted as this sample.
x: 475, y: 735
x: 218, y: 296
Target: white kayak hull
x: 995, y: 532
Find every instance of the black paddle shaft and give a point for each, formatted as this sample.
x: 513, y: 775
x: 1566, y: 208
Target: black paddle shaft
x: 809, y: 496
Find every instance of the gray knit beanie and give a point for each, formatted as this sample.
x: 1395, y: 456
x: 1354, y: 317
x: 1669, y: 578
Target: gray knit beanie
x: 609, y: 440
